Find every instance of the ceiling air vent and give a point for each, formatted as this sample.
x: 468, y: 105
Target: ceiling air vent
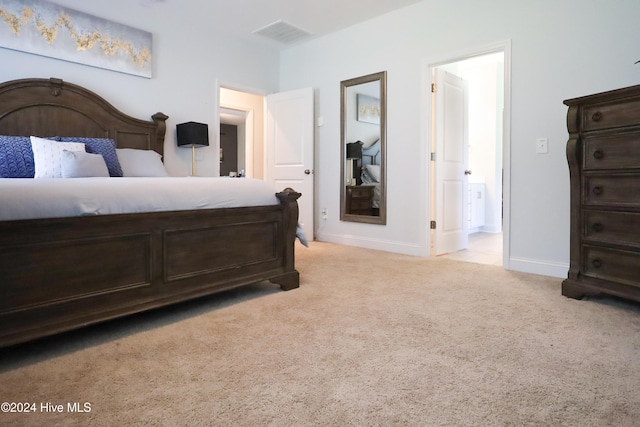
x: 282, y: 32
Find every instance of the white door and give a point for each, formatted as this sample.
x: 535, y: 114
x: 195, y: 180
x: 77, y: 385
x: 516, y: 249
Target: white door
x: 451, y: 160
x: 289, y: 148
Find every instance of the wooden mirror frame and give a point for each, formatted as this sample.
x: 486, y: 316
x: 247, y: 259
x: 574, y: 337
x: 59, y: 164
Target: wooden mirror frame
x: 345, y: 85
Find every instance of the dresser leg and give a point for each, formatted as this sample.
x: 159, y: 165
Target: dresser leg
x: 574, y: 290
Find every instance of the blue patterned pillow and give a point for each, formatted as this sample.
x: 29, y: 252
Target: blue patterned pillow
x: 16, y: 157
x: 104, y: 146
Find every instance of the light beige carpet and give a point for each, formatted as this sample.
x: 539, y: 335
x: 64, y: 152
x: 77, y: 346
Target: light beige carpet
x: 369, y: 339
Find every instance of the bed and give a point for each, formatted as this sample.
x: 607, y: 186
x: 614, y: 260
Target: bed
x: 64, y: 272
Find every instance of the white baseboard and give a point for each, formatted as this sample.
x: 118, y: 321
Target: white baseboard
x: 491, y: 228
x: 369, y: 243
x: 525, y: 265
x: 536, y: 266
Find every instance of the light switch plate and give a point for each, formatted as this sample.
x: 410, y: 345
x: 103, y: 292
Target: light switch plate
x: 542, y: 145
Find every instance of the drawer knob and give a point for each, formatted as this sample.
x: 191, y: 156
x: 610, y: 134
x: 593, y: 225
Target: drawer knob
x: 597, y: 116
x: 597, y: 190
x: 597, y: 227
x: 598, y: 154
x: 596, y: 263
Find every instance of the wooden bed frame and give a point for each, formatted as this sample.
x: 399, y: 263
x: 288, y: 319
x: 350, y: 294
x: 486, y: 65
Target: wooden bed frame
x: 59, y: 274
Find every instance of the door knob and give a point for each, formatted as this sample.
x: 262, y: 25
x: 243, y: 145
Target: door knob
x: 307, y: 172
x: 467, y: 172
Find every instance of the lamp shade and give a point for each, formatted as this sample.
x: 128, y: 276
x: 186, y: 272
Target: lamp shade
x: 354, y: 150
x: 192, y: 134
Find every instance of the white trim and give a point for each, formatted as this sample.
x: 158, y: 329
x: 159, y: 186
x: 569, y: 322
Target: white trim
x: 369, y: 243
x: 506, y: 159
x: 425, y: 166
x: 490, y: 229
x: 428, y: 65
x: 239, y: 88
x: 541, y: 267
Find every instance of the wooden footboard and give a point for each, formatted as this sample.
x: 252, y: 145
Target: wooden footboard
x: 61, y: 274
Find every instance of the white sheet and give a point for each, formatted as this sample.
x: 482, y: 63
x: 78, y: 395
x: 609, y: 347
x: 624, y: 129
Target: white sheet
x: 53, y: 198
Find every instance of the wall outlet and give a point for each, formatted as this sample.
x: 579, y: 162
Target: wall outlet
x: 542, y: 145
x: 324, y: 214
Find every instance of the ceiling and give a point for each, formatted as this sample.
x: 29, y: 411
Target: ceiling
x: 241, y: 18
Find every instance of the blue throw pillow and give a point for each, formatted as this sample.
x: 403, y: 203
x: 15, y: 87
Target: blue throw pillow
x: 16, y: 157
x: 104, y: 146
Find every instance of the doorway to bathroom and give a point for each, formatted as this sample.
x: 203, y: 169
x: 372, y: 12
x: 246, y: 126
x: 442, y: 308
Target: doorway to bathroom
x: 470, y: 134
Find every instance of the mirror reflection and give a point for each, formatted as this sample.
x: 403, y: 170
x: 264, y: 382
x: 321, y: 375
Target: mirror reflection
x: 363, y: 135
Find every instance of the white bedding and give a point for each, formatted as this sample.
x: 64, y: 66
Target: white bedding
x: 22, y: 198
x: 371, y: 176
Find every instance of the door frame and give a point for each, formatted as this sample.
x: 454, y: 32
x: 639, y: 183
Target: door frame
x: 428, y: 66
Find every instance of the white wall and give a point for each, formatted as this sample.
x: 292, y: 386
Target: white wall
x: 555, y: 56
x: 188, y: 58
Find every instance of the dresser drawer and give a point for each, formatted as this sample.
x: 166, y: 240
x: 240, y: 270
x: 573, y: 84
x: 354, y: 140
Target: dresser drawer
x: 358, y: 204
x: 611, y: 115
x: 621, y: 228
x: 620, y: 151
x: 359, y: 199
x: 611, y: 264
x: 612, y: 190
x: 361, y: 192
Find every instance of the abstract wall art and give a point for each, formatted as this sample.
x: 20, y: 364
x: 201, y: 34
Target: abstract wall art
x: 368, y: 109
x: 44, y: 28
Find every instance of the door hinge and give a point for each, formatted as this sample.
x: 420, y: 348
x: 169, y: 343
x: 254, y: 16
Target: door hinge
x: 433, y: 157
x: 433, y: 225
x: 434, y: 87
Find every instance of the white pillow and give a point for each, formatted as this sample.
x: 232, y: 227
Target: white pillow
x: 80, y: 164
x: 47, y: 156
x: 140, y: 163
x: 373, y: 171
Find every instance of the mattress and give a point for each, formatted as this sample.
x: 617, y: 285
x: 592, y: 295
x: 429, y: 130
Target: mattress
x: 55, y: 198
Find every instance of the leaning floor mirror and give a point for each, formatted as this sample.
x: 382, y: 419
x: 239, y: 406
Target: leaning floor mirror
x: 363, y: 117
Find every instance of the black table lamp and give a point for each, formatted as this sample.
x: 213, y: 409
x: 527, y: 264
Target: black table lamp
x: 192, y: 134
x: 354, y: 150
x: 354, y: 153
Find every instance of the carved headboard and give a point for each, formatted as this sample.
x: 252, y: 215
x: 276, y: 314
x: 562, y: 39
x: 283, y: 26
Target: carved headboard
x: 52, y: 107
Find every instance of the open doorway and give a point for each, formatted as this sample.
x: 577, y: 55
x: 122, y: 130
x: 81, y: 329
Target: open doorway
x: 485, y: 194
x: 243, y: 113
x: 233, y: 143
x: 278, y: 141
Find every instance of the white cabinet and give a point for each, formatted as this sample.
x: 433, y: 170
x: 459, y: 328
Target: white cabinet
x: 476, y: 206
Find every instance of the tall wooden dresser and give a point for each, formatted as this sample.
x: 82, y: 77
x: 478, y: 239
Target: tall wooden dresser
x: 604, y: 165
